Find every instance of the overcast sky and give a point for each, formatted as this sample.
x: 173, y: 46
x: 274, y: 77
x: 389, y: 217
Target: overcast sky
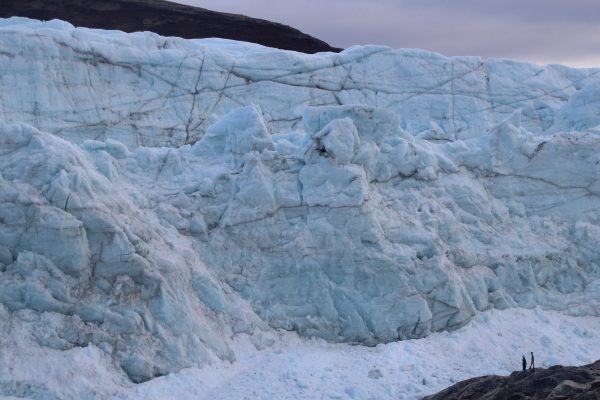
x: 540, y: 31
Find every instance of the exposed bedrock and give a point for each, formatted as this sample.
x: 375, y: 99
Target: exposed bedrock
x: 554, y: 383
x: 167, y: 19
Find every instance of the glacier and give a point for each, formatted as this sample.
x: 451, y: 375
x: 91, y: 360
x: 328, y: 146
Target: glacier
x: 159, y: 196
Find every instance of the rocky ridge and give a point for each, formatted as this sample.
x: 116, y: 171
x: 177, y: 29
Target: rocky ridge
x: 166, y: 19
x: 554, y: 383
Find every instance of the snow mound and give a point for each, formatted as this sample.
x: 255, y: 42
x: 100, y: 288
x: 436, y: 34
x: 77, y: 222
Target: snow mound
x: 159, y: 195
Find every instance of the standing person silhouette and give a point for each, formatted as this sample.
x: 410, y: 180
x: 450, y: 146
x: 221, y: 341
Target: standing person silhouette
x: 524, y: 363
x: 532, y: 363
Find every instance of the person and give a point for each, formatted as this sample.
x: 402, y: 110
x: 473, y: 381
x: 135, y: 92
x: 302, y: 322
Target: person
x: 532, y: 363
x: 524, y: 363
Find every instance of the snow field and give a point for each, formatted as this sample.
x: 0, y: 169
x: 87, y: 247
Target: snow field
x: 295, y: 368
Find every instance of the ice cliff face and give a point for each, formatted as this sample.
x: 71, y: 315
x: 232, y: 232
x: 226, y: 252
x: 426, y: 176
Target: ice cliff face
x: 158, y: 194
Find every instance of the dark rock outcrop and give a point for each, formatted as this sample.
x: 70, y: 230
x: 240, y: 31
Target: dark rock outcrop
x: 165, y: 18
x: 554, y: 383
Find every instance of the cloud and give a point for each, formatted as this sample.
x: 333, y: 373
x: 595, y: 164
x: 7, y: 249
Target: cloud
x: 541, y: 31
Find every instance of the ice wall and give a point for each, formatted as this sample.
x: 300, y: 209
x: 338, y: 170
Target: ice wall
x: 146, y: 90
x: 84, y: 258
x: 159, y: 194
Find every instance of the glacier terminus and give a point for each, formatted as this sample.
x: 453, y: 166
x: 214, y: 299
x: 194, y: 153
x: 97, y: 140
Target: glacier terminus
x: 160, y: 195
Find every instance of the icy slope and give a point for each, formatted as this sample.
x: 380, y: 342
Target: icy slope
x: 84, y: 260
x: 159, y: 195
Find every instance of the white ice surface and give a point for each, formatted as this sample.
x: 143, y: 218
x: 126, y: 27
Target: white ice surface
x: 294, y: 368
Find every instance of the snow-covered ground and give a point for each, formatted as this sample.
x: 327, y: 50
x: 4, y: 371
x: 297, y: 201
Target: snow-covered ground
x: 296, y: 368
x: 285, y: 366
